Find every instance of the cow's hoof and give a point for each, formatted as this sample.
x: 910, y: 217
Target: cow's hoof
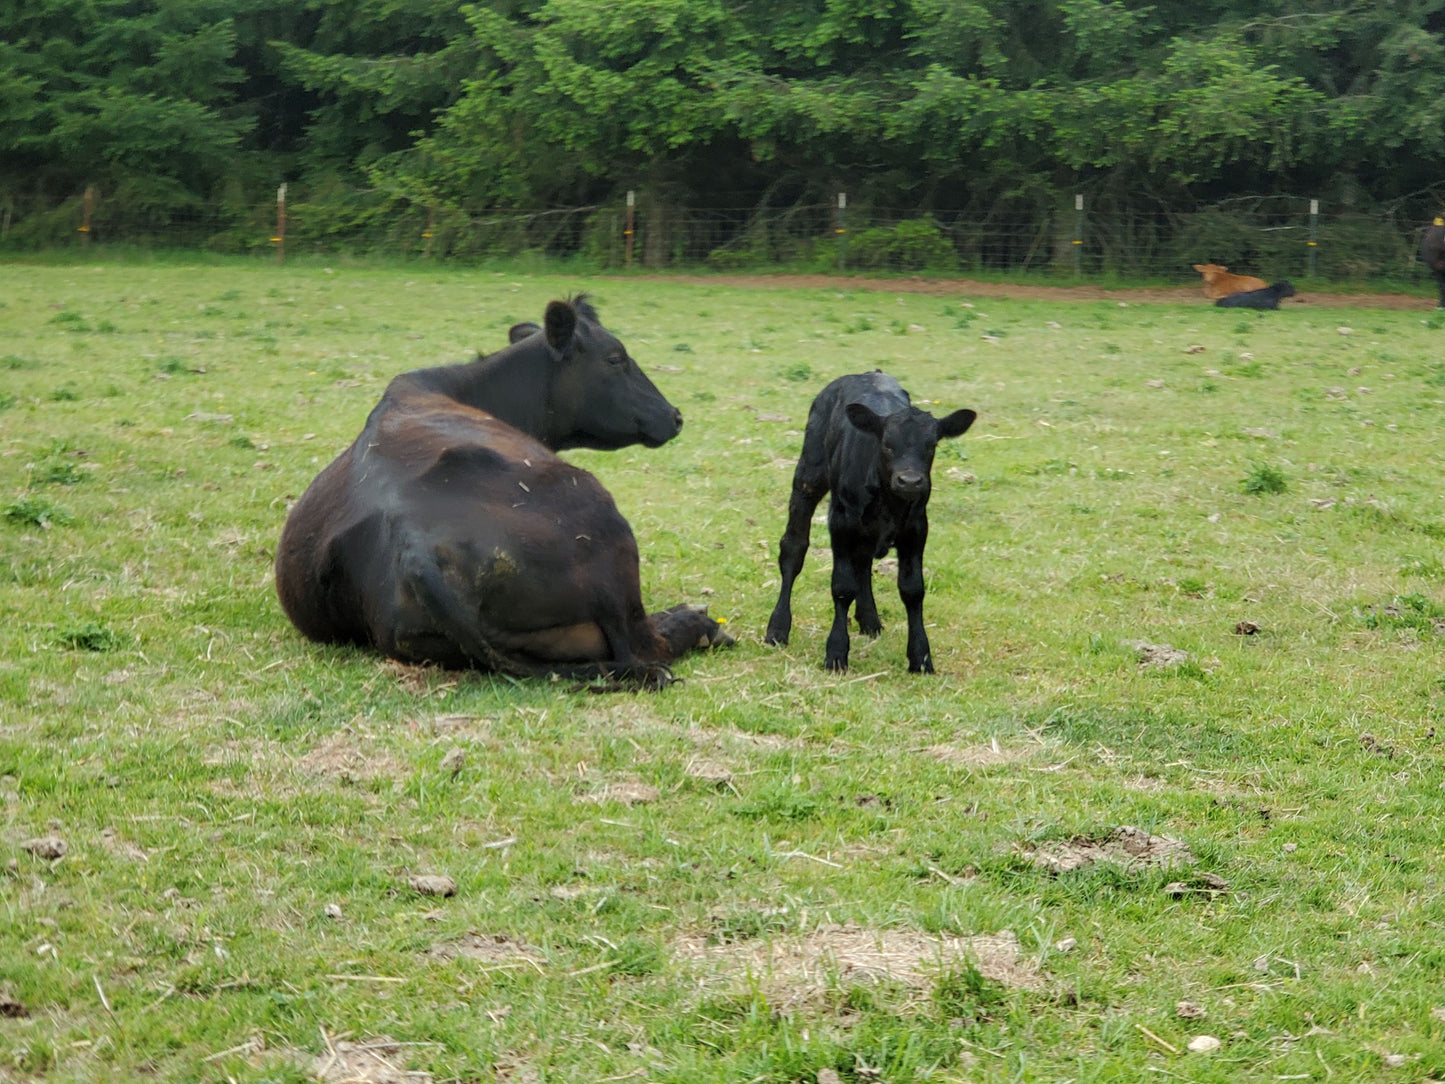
x: 872, y: 631
x: 837, y: 666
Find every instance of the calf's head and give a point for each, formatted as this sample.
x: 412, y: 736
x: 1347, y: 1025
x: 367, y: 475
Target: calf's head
x: 597, y: 396
x: 907, y: 439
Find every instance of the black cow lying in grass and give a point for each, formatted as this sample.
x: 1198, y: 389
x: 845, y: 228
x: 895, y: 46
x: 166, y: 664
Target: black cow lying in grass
x: 1432, y: 251
x: 450, y: 533
x: 873, y: 450
x: 1268, y: 298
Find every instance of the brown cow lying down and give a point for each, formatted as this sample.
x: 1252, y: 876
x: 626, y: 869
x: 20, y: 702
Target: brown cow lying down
x: 1218, y: 282
x: 450, y: 533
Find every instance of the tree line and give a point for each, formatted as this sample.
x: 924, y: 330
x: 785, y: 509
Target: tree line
x: 993, y: 107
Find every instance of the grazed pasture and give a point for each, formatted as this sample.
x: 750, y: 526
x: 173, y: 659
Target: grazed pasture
x: 1177, y: 777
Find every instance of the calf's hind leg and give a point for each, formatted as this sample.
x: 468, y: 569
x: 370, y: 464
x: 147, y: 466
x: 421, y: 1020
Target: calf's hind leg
x: 808, y: 490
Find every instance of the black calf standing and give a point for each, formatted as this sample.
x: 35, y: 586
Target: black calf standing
x: 873, y: 450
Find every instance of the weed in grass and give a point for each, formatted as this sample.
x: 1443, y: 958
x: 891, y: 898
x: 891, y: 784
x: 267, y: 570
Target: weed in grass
x: 965, y: 993
x: 242, y: 441
x: 798, y: 374
x: 1426, y: 568
x: 88, y: 637
x: 6, y: 400
x: 37, y: 512
x: 65, y: 394
x: 57, y: 471
x: 681, y: 348
x: 1414, y: 611
x: 1250, y: 370
x: 1264, y: 478
x: 15, y: 361
x: 71, y: 321
x: 859, y: 324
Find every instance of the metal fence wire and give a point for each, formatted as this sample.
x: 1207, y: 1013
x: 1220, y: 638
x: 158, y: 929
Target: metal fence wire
x: 1270, y: 237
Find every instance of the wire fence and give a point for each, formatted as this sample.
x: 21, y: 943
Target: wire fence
x: 1271, y: 237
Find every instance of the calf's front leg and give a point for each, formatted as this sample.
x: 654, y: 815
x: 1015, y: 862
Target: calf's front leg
x: 910, y: 590
x: 851, y: 563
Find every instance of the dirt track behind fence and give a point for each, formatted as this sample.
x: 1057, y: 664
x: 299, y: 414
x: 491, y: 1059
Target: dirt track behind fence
x: 1183, y: 295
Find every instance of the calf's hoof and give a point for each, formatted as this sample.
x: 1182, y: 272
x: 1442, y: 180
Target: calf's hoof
x: 836, y: 665
x: 776, y: 637
x: 717, y: 636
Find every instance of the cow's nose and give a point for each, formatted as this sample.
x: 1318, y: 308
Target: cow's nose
x: 908, y: 482
x: 677, y: 419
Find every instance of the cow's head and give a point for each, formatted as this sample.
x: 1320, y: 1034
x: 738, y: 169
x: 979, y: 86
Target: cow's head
x: 907, y: 439
x: 1210, y: 270
x: 597, y: 396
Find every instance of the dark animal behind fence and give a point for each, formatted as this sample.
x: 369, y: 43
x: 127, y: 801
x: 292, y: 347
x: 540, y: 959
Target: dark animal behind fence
x: 1432, y: 251
x: 450, y: 533
x: 1268, y: 298
x: 867, y: 445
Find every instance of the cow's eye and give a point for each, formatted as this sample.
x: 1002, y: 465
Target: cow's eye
x: 617, y: 359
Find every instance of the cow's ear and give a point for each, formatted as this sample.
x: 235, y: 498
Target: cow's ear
x: 561, y: 324
x: 956, y: 424
x: 863, y: 418
x: 518, y: 332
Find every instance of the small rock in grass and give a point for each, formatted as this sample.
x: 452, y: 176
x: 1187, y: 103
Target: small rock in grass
x: 333, y: 910
x: 1204, y: 1044
x: 48, y: 847
x: 431, y: 884
x: 10, y: 1004
x: 454, y: 761
x: 829, y: 1076
x: 1189, y: 1010
x: 1246, y: 628
x: 1068, y: 944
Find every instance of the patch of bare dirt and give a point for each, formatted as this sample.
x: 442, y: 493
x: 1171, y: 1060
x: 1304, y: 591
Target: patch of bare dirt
x: 976, y: 756
x: 378, y: 1060
x: 1132, y: 848
x: 1157, y: 655
x: 487, y: 948
x: 799, y: 970
x: 625, y: 792
x: 1176, y: 295
x: 345, y: 756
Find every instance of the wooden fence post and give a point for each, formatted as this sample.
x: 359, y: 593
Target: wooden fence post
x: 1078, y: 243
x: 89, y: 207
x: 430, y: 231
x: 841, y: 231
x: 280, y: 239
x: 627, y: 230
x: 1314, y: 241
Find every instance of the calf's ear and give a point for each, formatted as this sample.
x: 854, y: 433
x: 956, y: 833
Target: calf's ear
x: 518, y: 332
x: 560, y: 323
x: 956, y: 424
x: 865, y: 419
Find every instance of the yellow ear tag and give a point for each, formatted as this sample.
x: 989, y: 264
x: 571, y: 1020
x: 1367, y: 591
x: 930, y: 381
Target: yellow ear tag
x: 1439, y: 221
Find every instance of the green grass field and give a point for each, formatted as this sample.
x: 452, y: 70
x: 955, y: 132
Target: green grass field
x: 1186, y: 575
